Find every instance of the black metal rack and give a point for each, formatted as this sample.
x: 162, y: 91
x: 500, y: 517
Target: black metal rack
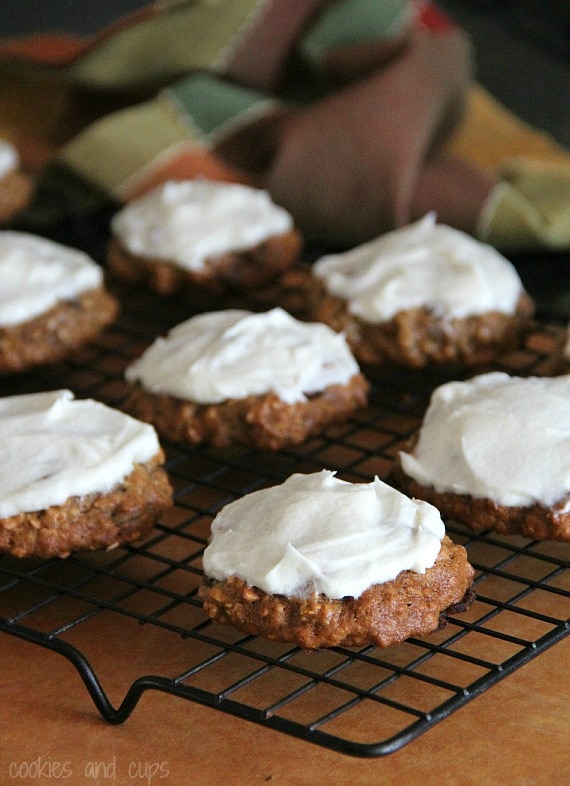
x: 364, y: 702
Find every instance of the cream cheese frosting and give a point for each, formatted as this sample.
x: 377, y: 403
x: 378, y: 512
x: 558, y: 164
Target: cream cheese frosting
x: 37, y: 273
x: 55, y: 447
x: 234, y: 353
x: 498, y: 437
x: 187, y: 222
x: 421, y: 265
x: 317, y: 534
x: 9, y: 158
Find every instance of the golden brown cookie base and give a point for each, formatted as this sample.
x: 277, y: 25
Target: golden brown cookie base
x: 262, y: 421
x: 52, y: 336
x: 417, y: 338
x: 385, y: 614
x: 236, y: 270
x: 479, y: 514
x: 92, y: 522
x: 15, y: 194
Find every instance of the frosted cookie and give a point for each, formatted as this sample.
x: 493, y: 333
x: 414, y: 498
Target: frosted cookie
x: 78, y: 476
x: 321, y: 562
x: 494, y: 453
x: 200, y: 234
x: 15, y: 185
x: 560, y: 355
x: 233, y: 376
x: 421, y: 295
x: 52, y: 301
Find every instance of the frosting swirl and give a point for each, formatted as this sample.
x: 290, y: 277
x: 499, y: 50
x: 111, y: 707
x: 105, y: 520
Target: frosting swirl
x: 316, y: 533
x: 9, y: 158
x: 37, y: 273
x: 187, y: 222
x: 422, y: 265
x: 499, y: 437
x: 235, y: 353
x: 56, y: 447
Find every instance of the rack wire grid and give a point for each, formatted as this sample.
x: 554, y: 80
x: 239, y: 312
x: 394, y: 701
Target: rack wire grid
x: 364, y: 702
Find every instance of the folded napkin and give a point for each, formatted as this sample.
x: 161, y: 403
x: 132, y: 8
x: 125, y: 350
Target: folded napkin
x: 335, y: 106
x: 529, y: 207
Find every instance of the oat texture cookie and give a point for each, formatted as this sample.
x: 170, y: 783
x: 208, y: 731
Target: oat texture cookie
x: 422, y: 295
x: 321, y: 562
x: 199, y: 235
x: 53, y: 300
x: 493, y: 453
x: 237, y: 377
x: 76, y: 476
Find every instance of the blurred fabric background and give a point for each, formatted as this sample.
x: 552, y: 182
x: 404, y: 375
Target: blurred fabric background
x: 522, y: 46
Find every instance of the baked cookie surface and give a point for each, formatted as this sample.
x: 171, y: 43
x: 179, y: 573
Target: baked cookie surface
x: 79, y: 476
x: 422, y: 295
x: 187, y: 236
x: 53, y: 301
x: 320, y: 562
x: 236, y: 377
x: 493, y: 454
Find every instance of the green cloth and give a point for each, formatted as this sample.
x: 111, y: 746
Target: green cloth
x: 352, y: 21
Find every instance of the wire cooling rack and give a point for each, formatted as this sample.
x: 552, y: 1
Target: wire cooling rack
x: 364, y: 702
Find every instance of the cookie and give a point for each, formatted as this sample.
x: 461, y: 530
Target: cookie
x: 493, y: 454
x: 423, y: 295
x: 53, y: 301
x: 236, y: 377
x: 320, y: 562
x: 78, y: 476
x: 199, y: 235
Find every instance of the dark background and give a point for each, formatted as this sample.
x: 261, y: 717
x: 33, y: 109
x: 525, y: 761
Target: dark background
x: 522, y: 56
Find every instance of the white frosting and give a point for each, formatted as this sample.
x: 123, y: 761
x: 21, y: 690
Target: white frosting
x: 55, y: 447
x: 315, y: 533
x: 37, y: 273
x: 187, y: 222
x: 9, y: 159
x: 232, y: 354
x: 496, y: 436
x: 422, y: 265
